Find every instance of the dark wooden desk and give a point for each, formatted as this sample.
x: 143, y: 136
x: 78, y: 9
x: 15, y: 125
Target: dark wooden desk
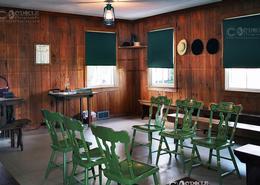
x: 6, y: 102
x: 6, y: 178
x: 250, y: 154
x: 62, y: 96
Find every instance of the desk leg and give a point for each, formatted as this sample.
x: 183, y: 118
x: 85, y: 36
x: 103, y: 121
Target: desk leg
x: 89, y: 111
x: 56, y: 101
x: 80, y: 109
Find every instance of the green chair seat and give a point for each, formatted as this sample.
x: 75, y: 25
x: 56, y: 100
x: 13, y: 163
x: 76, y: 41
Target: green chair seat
x: 222, y: 140
x: 212, y: 143
x: 123, y: 171
x: 177, y: 134
x: 148, y: 128
x: 66, y: 146
x: 181, y: 132
x: 95, y: 155
x: 140, y: 171
x: 162, y: 105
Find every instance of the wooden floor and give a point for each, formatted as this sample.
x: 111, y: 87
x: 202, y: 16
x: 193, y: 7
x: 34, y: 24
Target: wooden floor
x: 28, y: 167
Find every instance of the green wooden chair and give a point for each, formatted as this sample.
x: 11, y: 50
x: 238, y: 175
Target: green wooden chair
x: 82, y: 156
x: 181, y: 132
x: 223, y: 139
x: 127, y: 171
x: 161, y: 104
x: 60, y: 142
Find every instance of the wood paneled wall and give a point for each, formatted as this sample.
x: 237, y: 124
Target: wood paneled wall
x: 66, y: 36
x: 202, y: 76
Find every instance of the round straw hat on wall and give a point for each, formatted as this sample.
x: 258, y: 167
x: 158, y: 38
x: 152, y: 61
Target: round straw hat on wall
x: 182, y: 47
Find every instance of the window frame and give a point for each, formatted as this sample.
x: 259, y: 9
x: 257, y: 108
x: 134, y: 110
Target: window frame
x: 116, y: 81
x: 167, y: 88
x: 227, y: 88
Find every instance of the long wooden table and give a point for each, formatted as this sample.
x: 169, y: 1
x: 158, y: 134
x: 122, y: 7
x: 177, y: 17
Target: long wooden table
x: 63, y: 96
x: 250, y: 154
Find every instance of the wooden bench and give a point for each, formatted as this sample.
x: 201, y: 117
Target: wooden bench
x: 16, y: 127
x: 248, y: 126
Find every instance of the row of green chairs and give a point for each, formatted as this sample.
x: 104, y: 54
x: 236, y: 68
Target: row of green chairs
x: 71, y: 139
x: 190, y: 111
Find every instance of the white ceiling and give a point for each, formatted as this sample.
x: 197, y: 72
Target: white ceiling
x: 130, y: 10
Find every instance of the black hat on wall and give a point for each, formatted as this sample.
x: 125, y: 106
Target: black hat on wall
x: 212, y: 46
x: 197, y: 47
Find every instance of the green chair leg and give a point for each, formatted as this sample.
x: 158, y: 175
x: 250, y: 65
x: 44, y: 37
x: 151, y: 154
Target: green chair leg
x: 50, y: 164
x: 150, y: 146
x: 65, y: 175
x: 182, y: 155
x: 159, y: 150
x: 176, y: 147
x: 100, y: 174
x: 210, y: 157
x: 133, y: 141
x: 219, y: 167
x: 191, y: 160
x: 156, y: 182
x: 234, y: 161
x: 72, y: 173
x: 167, y: 146
x: 86, y: 177
x: 108, y: 182
x: 197, y: 153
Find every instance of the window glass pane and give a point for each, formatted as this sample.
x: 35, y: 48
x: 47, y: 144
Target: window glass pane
x: 237, y: 78
x: 253, y: 78
x: 161, y: 77
x: 242, y: 79
x: 100, y: 76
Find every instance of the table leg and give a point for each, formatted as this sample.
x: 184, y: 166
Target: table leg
x: 80, y: 109
x: 89, y: 110
x: 56, y: 101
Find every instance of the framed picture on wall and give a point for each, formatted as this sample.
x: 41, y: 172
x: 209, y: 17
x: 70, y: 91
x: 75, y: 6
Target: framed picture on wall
x: 42, y: 53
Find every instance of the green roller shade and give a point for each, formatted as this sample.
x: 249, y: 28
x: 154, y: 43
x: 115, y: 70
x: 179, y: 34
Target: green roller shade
x: 242, y: 42
x: 100, y: 49
x: 160, y: 49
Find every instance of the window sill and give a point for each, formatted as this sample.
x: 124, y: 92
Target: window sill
x: 165, y: 89
x: 242, y: 90
x: 104, y: 89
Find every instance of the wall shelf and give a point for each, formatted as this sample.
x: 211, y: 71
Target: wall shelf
x: 131, y: 47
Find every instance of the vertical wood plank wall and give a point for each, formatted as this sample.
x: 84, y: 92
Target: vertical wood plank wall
x: 66, y: 36
x: 202, y: 76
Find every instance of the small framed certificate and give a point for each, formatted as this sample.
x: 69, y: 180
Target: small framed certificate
x: 42, y: 53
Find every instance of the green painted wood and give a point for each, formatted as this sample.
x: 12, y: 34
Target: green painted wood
x: 241, y: 42
x: 123, y: 171
x: 181, y: 132
x: 222, y: 140
x: 100, y: 49
x: 161, y: 104
x: 82, y: 156
x: 160, y: 48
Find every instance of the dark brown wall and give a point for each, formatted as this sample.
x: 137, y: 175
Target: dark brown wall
x: 200, y: 77
x: 66, y: 35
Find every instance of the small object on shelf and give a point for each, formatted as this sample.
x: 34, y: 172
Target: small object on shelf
x: 136, y: 44
x: 126, y: 44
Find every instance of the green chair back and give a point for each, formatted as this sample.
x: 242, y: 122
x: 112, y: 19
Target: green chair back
x: 75, y: 131
x: 54, y: 123
x: 187, y: 106
x: 162, y: 105
x: 225, y: 111
x: 108, y: 140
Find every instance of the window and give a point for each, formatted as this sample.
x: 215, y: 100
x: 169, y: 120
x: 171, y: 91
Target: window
x: 161, y: 77
x: 101, y: 76
x: 160, y: 58
x: 242, y: 79
x: 100, y: 59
